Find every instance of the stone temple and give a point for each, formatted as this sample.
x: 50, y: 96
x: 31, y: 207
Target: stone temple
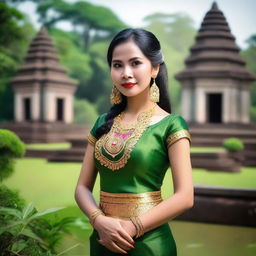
x: 43, y: 96
x: 215, y: 82
x: 215, y: 100
x: 215, y: 89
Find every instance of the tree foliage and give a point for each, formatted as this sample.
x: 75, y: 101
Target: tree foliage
x: 10, y: 32
x: 84, y: 112
x: 176, y: 34
x: 83, y: 50
x: 249, y: 55
x: 16, y: 33
x: 72, y: 56
x: 88, y: 20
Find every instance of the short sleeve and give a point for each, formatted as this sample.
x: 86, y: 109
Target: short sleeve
x: 178, y: 128
x: 92, y: 136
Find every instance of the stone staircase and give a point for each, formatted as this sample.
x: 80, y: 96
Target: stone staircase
x: 44, y: 132
x: 212, y: 135
x: 206, y: 135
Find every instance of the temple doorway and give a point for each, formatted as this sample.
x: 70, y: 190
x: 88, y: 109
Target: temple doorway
x: 214, y: 108
x: 27, y: 109
x: 60, y: 109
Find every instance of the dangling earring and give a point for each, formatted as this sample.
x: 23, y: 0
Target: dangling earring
x: 115, y: 96
x: 154, y: 92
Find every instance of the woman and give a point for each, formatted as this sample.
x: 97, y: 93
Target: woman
x: 132, y: 146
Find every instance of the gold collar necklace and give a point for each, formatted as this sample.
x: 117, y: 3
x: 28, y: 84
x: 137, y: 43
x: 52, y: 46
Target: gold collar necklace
x: 114, y: 148
x: 146, y: 114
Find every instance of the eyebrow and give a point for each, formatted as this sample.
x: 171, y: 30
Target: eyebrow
x: 134, y: 58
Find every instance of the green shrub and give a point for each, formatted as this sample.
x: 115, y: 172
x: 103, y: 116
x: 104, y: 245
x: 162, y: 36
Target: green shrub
x: 10, y: 147
x: 233, y: 144
x: 11, y: 144
x: 23, y: 230
x: 10, y: 198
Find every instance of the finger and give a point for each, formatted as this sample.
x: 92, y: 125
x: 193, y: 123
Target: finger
x: 101, y: 242
x: 124, y: 243
x: 115, y: 248
x: 123, y: 246
x: 126, y: 236
x: 118, y: 248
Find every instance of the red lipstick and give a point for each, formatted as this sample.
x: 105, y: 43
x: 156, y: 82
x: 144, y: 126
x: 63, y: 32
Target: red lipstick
x: 128, y: 85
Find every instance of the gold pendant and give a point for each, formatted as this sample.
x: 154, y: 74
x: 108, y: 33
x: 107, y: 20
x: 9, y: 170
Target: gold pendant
x: 113, y: 145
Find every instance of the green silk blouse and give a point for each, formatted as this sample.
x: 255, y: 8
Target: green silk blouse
x: 148, y: 161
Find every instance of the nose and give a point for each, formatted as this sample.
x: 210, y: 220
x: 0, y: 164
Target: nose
x: 127, y: 72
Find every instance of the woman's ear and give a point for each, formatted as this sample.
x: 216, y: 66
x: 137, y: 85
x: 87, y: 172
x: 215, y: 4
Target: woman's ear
x: 155, y: 70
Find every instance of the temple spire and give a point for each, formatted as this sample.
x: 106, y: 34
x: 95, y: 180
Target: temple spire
x: 215, y: 53
x: 214, y: 6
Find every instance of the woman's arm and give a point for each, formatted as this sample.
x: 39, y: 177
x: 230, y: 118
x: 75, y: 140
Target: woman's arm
x: 183, y: 197
x: 110, y: 230
x: 85, y: 183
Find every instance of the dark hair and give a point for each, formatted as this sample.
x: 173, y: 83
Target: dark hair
x: 150, y: 46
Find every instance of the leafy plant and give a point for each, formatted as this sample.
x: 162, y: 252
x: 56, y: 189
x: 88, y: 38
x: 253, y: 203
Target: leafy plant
x: 233, y: 144
x: 52, y: 230
x: 25, y: 232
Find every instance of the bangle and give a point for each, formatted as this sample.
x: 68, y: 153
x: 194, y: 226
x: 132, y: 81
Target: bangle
x: 95, y: 214
x: 138, y: 225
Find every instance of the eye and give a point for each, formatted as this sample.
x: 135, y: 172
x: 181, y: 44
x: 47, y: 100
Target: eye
x: 116, y: 65
x: 136, y: 62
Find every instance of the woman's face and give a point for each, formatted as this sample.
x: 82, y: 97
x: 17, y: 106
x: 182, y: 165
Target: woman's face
x: 131, y: 70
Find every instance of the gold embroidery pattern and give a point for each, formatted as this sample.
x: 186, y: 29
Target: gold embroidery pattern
x: 91, y: 139
x: 178, y: 135
x: 125, y: 147
x: 126, y: 205
x: 115, y: 144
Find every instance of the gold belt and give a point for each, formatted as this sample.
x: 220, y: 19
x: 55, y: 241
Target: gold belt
x: 126, y: 205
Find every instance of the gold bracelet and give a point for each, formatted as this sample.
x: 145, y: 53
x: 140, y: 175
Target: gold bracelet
x: 142, y: 231
x: 138, y: 225
x: 133, y: 220
x: 95, y: 214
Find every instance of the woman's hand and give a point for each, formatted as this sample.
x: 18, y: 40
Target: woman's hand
x: 114, y: 234
x: 129, y: 227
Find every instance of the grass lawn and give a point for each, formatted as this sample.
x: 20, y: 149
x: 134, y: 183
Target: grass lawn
x: 64, y: 145
x: 50, y: 185
x: 208, y: 149
x: 244, y: 179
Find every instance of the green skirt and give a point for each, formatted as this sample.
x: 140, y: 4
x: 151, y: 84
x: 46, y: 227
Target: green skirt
x: 156, y: 242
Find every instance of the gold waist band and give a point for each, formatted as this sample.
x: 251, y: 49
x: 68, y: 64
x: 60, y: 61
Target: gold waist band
x: 126, y: 205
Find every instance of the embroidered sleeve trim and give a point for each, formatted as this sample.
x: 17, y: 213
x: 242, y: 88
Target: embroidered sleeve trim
x: 178, y: 135
x: 91, y: 139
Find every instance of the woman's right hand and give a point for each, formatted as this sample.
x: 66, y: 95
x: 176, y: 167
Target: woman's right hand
x: 112, y: 234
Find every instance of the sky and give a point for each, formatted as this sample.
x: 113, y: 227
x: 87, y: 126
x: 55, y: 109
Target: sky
x: 240, y: 14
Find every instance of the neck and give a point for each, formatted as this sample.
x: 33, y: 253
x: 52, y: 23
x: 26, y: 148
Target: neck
x: 139, y: 103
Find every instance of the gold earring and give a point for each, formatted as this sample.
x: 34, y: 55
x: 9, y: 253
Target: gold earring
x: 115, y: 96
x: 154, y: 92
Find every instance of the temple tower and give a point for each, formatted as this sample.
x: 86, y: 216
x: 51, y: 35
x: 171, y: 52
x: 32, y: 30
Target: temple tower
x: 43, y: 92
x: 215, y: 83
